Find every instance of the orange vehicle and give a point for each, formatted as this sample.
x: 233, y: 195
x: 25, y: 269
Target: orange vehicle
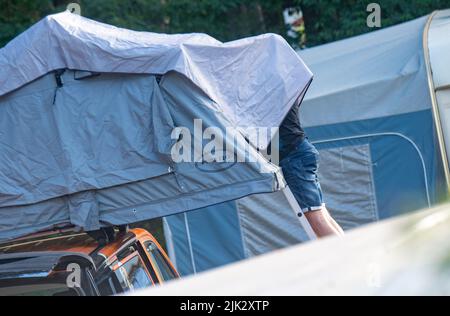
x: 105, y: 262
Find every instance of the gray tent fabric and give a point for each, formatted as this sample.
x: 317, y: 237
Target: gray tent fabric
x: 96, y: 151
x: 53, y: 144
x: 262, y: 213
x: 87, y: 113
x: 345, y: 174
x: 255, y: 80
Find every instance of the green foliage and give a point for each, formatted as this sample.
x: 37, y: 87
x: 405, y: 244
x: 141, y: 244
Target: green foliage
x: 16, y: 16
x: 224, y: 20
x: 325, y: 20
x: 331, y: 20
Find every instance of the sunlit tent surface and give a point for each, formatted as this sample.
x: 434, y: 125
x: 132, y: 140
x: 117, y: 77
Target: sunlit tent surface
x: 369, y: 113
x: 87, y: 111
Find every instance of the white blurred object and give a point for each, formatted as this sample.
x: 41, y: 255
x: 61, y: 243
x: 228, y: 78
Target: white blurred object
x: 408, y: 255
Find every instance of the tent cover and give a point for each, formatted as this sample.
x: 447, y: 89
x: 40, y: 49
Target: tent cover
x: 87, y: 112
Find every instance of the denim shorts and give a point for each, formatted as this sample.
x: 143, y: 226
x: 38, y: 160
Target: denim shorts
x: 300, y: 168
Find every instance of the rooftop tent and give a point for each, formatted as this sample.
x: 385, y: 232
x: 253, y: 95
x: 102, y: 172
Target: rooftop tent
x: 87, y: 113
x: 369, y: 112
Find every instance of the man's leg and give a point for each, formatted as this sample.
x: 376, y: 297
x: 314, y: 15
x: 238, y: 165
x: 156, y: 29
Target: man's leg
x: 300, y: 172
x: 322, y: 223
x: 334, y: 223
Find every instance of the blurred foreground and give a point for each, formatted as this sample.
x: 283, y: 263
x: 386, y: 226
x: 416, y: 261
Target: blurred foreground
x: 408, y: 255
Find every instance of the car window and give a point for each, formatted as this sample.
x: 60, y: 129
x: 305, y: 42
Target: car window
x: 132, y: 275
x: 159, y: 262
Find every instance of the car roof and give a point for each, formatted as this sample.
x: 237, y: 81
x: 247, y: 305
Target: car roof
x: 36, y: 264
x: 59, y: 242
x: 69, y: 241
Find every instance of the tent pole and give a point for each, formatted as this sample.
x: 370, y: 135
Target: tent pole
x: 299, y: 213
x: 434, y: 104
x: 169, y: 242
x: 188, y: 235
